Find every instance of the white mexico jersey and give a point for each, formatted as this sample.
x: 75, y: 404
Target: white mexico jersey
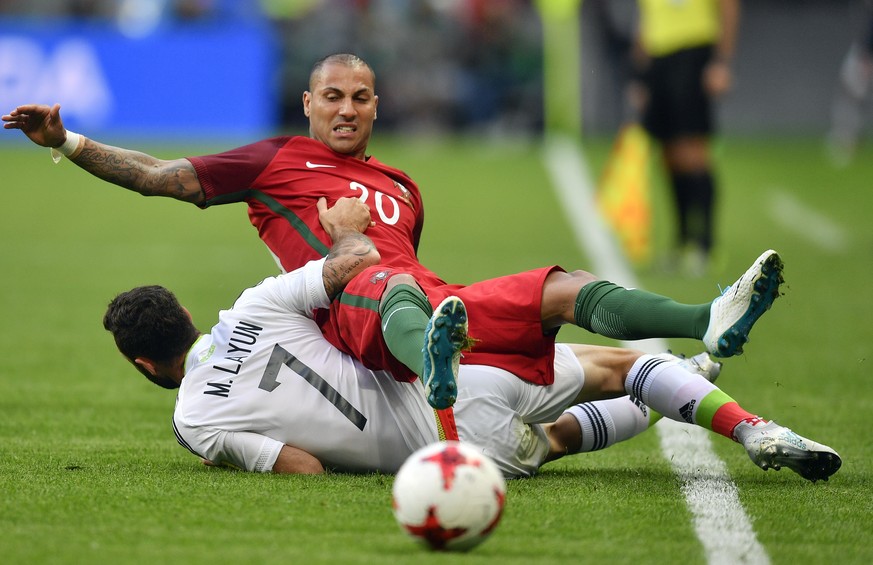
x: 266, y: 376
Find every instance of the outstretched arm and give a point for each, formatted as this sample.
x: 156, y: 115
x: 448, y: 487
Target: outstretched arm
x: 297, y: 461
x: 718, y: 76
x: 352, y: 251
x: 132, y: 170
x: 291, y: 460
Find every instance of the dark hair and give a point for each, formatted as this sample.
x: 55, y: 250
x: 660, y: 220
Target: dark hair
x: 149, y: 322
x: 347, y: 59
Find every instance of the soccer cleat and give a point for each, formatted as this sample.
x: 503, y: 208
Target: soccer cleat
x: 701, y: 364
x: 444, y: 338
x: 732, y: 315
x: 771, y: 446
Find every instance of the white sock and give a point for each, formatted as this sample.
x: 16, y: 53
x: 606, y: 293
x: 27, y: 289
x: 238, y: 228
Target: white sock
x: 661, y: 383
x: 606, y: 422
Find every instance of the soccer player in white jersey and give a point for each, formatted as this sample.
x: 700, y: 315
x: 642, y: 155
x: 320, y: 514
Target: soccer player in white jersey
x: 264, y: 391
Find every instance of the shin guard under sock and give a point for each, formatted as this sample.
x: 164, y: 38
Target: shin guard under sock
x: 405, y: 313
x: 613, y: 311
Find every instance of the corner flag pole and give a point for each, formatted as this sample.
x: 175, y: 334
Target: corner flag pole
x: 562, y: 55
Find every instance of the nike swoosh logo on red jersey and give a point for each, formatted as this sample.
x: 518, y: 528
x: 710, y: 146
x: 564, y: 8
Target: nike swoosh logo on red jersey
x: 310, y: 165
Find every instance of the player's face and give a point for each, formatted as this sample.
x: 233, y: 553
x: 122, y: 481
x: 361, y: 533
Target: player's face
x: 341, y: 108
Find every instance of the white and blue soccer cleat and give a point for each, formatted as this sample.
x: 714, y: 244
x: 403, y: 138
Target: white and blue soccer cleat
x: 771, y: 446
x: 444, y: 338
x: 732, y: 315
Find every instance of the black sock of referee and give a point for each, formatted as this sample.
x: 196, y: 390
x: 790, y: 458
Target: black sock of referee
x: 695, y: 204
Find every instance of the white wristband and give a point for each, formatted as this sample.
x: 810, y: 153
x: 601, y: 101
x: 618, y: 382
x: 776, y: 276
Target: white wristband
x: 68, y: 148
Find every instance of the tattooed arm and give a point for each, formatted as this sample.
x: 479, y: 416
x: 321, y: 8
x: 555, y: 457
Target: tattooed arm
x: 132, y: 170
x: 352, y: 251
x: 141, y: 173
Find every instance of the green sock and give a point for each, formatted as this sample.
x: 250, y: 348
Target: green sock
x: 613, y: 311
x: 405, y: 313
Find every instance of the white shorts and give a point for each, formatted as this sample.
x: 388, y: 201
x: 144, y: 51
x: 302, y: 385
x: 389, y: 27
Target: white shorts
x: 501, y: 413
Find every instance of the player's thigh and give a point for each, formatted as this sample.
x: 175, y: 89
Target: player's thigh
x: 485, y: 417
x: 534, y: 403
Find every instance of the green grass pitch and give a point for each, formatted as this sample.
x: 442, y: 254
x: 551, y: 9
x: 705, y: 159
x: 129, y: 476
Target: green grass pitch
x: 90, y: 471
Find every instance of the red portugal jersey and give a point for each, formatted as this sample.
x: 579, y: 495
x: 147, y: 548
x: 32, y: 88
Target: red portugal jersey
x: 282, y: 178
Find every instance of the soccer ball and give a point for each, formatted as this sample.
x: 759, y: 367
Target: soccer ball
x: 449, y: 496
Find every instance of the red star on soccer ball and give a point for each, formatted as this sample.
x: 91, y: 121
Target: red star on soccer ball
x: 449, y: 459
x: 432, y: 532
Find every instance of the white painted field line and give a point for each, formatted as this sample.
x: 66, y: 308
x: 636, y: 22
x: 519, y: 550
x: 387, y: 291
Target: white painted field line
x: 720, y: 520
x: 817, y: 229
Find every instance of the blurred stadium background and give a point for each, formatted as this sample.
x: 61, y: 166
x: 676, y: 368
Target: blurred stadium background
x: 237, y: 67
x: 89, y: 469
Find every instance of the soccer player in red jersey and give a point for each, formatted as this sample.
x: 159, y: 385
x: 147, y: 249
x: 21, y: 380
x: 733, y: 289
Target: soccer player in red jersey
x: 513, y: 319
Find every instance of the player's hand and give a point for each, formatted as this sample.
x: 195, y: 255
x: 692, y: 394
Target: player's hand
x: 717, y: 78
x: 347, y: 214
x: 41, y: 123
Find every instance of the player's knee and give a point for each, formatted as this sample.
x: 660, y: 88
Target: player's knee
x: 620, y: 364
x: 569, y: 283
x: 689, y: 155
x: 401, y: 278
x: 559, y: 296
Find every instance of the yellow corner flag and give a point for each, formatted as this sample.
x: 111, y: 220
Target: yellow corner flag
x: 623, y: 194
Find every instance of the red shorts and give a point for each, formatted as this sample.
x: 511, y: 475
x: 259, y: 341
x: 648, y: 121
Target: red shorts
x: 504, y: 317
